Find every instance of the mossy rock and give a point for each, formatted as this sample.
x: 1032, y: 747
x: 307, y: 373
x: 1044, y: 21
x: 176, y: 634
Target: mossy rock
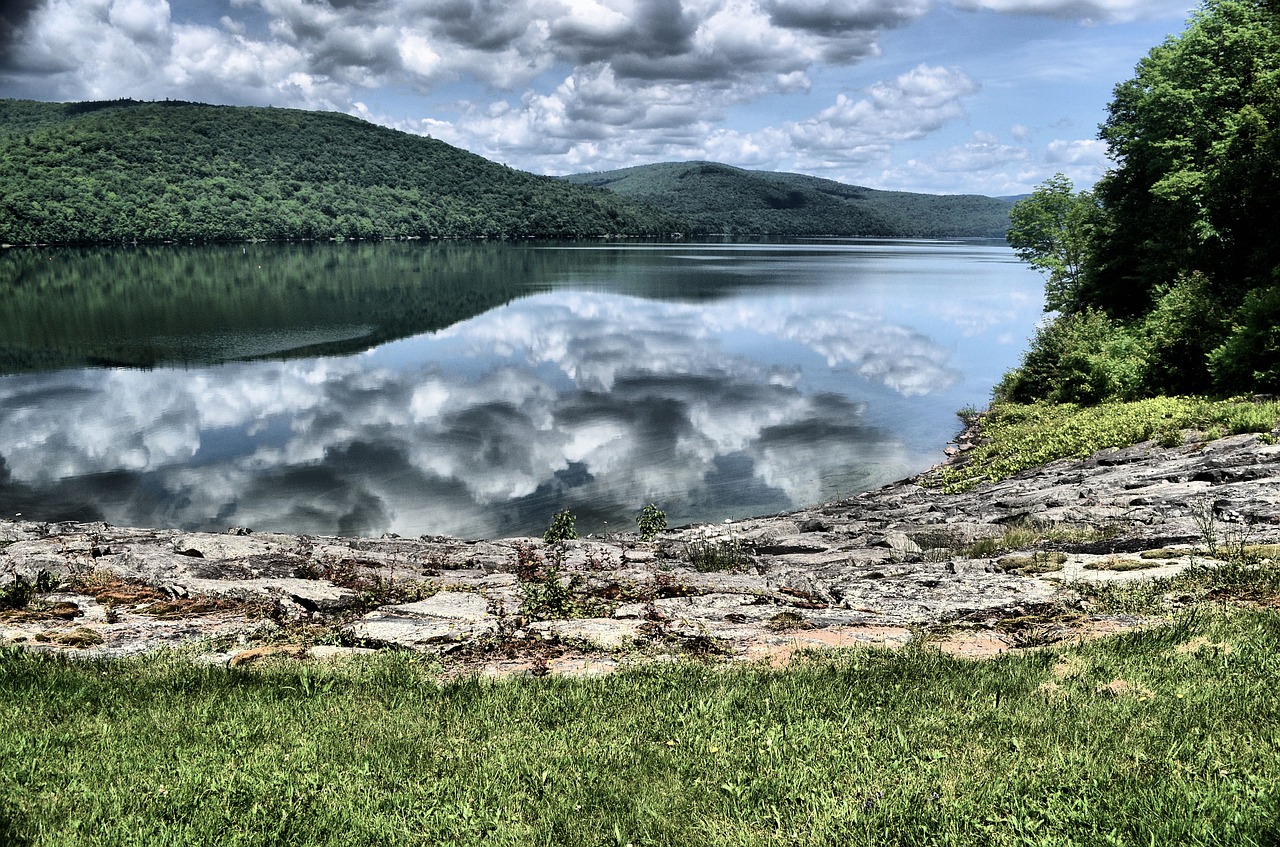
x: 1032, y: 564
x: 1163, y: 553
x: 1121, y: 565
x: 81, y: 637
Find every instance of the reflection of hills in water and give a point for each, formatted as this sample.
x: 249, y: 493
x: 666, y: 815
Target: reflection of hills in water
x: 199, y: 305
x: 715, y: 380
x: 154, y: 306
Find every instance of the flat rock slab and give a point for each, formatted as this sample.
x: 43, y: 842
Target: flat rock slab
x: 380, y: 629
x: 600, y: 633
x: 859, y: 570
x: 449, y: 605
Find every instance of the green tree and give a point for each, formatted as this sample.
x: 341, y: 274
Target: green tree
x: 1181, y: 255
x: 1195, y: 136
x: 1052, y: 230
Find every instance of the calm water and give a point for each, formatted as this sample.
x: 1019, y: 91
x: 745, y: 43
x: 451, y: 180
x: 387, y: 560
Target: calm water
x: 476, y: 389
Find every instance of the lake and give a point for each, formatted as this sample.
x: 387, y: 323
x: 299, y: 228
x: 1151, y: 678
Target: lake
x: 476, y: 389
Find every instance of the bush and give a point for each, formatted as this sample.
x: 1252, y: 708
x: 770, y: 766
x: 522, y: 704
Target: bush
x: 1249, y: 360
x: 1186, y: 323
x: 650, y: 522
x: 561, y: 529
x: 1080, y: 358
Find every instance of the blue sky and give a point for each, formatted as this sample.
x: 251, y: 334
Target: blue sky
x: 945, y: 96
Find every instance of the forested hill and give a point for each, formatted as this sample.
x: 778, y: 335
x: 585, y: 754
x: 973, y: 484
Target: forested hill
x: 717, y: 198
x: 124, y: 170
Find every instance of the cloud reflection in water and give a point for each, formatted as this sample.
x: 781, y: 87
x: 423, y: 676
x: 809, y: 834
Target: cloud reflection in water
x: 592, y: 401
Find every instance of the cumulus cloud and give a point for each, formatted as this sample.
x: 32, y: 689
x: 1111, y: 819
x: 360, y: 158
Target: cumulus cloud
x: 1087, y: 152
x: 557, y: 86
x: 353, y: 45
x: 593, y: 121
x: 984, y: 151
x: 911, y: 106
x: 661, y: 72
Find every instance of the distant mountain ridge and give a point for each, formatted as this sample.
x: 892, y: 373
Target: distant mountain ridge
x: 124, y: 170
x: 723, y: 199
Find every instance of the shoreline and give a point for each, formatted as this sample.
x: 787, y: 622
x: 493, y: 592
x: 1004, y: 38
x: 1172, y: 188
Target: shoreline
x: 999, y: 566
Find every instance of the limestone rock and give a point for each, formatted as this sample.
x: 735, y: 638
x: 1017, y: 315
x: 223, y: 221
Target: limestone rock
x: 600, y: 633
x: 853, y: 569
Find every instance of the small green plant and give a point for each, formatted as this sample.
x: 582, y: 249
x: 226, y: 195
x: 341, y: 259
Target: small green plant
x: 19, y: 593
x: 372, y: 587
x: 1206, y: 521
x: 1144, y: 597
x: 1014, y: 537
x: 544, y: 595
x: 561, y: 529
x: 969, y: 415
x: 549, y: 597
x: 650, y: 522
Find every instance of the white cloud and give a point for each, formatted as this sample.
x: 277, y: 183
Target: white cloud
x: 915, y: 104
x: 1084, y: 11
x: 1090, y: 152
x: 983, y: 152
x: 556, y: 86
x: 141, y: 20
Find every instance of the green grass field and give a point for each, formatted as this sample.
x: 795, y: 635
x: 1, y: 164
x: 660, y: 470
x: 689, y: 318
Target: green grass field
x: 1168, y: 736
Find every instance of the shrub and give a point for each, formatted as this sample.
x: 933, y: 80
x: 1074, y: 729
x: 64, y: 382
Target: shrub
x: 650, y: 522
x: 709, y: 555
x: 1186, y: 323
x: 561, y: 529
x: 1249, y: 360
x: 1079, y: 358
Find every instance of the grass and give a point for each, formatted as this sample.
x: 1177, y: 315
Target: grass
x: 1166, y: 736
x: 1019, y: 437
x: 1247, y: 579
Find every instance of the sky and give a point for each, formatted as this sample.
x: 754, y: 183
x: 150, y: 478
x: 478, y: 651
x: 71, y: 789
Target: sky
x: 940, y: 96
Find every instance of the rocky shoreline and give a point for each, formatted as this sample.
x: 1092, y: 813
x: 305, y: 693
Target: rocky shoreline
x: 1000, y: 567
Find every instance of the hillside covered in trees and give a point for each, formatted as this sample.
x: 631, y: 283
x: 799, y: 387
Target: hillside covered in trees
x: 124, y: 170
x: 721, y: 199
x: 1166, y: 277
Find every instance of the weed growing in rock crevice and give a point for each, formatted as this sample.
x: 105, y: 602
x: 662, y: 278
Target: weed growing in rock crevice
x: 709, y: 555
x: 19, y: 593
x: 372, y: 587
x: 544, y: 593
